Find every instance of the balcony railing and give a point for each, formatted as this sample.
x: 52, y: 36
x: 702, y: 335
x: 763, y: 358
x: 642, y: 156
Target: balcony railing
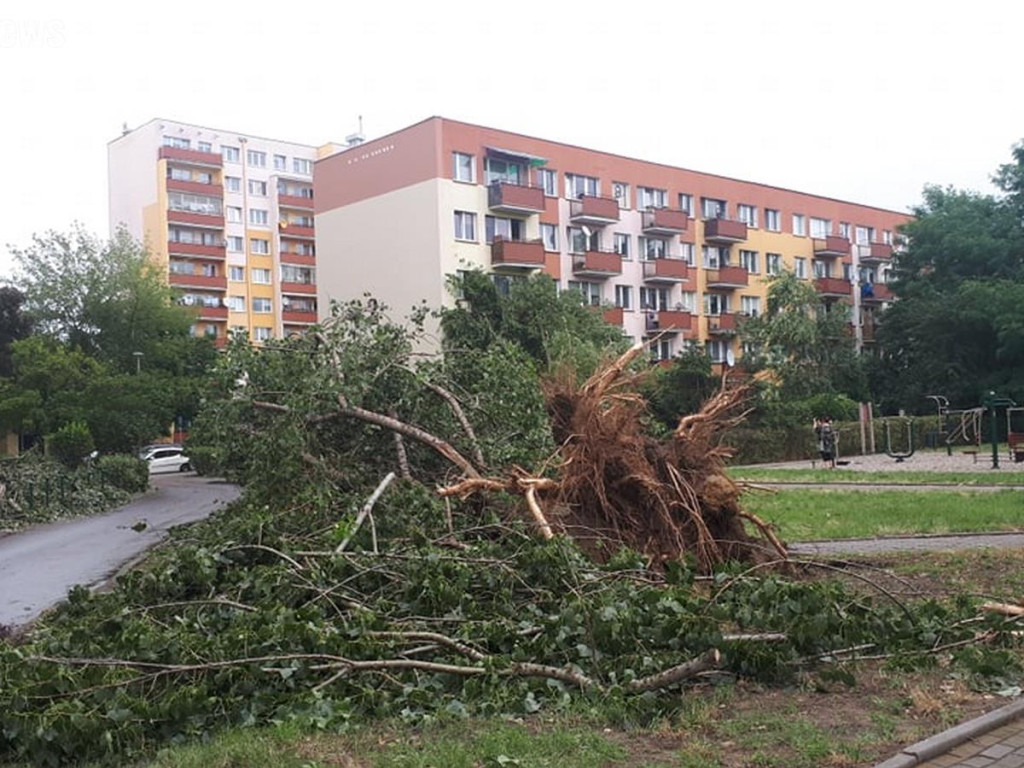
x: 191, y: 157
x: 298, y: 317
x: 219, y: 282
x: 295, y: 201
x: 834, y: 287
x: 724, y: 323
x: 873, y: 253
x: 668, y: 321
x: 831, y: 247
x: 195, y: 249
x: 296, y: 230
x: 597, y: 264
x: 195, y: 187
x: 875, y: 293
x: 522, y: 254
x: 213, y: 313
x: 299, y: 259
x: 196, y: 218
x: 724, y: 231
x: 515, y: 198
x: 664, y: 221
x: 613, y: 315
x: 304, y: 289
x: 598, y: 211
x: 666, y: 271
x: 728, y: 277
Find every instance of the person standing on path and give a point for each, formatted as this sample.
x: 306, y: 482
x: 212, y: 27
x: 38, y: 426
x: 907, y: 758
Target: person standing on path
x: 826, y: 441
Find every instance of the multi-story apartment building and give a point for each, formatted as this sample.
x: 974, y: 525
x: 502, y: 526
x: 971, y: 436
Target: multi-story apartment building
x: 673, y: 255
x: 230, y: 217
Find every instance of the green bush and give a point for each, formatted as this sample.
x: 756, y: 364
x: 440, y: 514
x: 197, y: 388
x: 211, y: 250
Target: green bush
x: 125, y: 472
x: 71, y: 443
x: 204, y: 459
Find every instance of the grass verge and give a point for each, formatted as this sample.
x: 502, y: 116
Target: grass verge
x: 809, y: 515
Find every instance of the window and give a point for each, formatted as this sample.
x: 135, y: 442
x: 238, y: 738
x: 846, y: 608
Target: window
x: 232, y: 184
x: 800, y: 267
x: 714, y: 257
x: 748, y: 260
x: 716, y: 304
x: 230, y: 154
x: 236, y: 274
x: 234, y: 244
x: 714, y: 209
x: 260, y: 247
x: 501, y: 228
x: 648, y: 197
x: 820, y: 227
x: 863, y: 237
x: 236, y: 303
x: 237, y: 330
x: 256, y: 159
x: 302, y: 166
x: 233, y: 214
x: 465, y: 226
x: 179, y: 174
x: 577, y: 186
x: 181, y: 201
x: 204, y: 146
x: 686, y: 203
x: 260, y: 333
x: 280, y: 163
x: 620, y: 191
x: 848, y: 272
x: 208, y: 270
x: 504, y: 171
x: 176, y: 267
x: 772, y: 263
x: 821, y: 268
x: 591, y: 292
x: 661, y: 350
x: 717, y: 350
x: 621, y: 244
x: 654, y: 298
x: 887, y: 237
x: 799, y: 225
x: 624, y: 296
x: 687, y: 252
x: 261, y: 305
x: 750, y: 306
x: 177, y: 142
x: 463, y: 167
x: 580, y: 243
x: 547, y: 180
x: 301, y: 275
x: 687, y: 301
x: 844, y: 229
x: 258, y: 216
x: 772, y: 220
x: 257, y: 188
x: 260, y: 276
x: 652, y: 248
x: 747, y: 214
x: 549, y: 236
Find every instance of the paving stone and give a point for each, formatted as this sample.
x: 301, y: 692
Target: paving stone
x: 997, y: 750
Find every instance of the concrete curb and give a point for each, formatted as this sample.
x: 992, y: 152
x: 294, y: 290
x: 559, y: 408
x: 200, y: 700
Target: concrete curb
x: 949, y: 739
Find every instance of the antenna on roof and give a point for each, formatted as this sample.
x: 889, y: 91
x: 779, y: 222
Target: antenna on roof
x: 355, y: 139
x: 124, y: 128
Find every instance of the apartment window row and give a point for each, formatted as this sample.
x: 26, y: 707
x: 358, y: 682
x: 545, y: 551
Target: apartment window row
x: 253, y: 158
x: 302, y: 275
x: 182, y: 201
x: 187, y: 174
x: 193, y: 236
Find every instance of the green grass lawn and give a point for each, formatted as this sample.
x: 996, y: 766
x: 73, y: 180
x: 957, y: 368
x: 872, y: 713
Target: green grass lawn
x: 767, y: 475
x: 807, y: 515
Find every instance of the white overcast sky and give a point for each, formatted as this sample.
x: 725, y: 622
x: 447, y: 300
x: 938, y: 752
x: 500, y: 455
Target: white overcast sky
x: 865, y: 101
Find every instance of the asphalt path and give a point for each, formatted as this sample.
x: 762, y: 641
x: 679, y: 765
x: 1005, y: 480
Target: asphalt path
x: 38, y: 566
x: 921, y: 543
x: 869, y: 486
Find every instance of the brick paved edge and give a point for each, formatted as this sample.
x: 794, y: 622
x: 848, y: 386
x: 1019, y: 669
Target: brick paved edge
x: 943, y: 742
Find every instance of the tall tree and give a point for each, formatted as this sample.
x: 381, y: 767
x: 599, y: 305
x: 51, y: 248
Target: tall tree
x: 14, y: 324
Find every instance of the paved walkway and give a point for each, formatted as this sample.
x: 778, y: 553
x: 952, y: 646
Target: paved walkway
x: 853, y: 486
x: 1001, y: 748
x: 929, y: 543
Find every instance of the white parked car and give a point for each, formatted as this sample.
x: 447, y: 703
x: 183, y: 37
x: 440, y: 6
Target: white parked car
x: 169, y: 458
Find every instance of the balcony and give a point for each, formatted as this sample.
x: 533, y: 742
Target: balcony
x: 300, y: 289
x: 666, y: 271
x: 724, y: 231
x: 664, y: 221
x: 200, y: 219
x: 668, y: 321
x: 613, y: 316
x: 196, y: 250
x: 213, y: 313
x: 875, y: 293
x: 596, y: 264
x: 290, y: 317
x: 834, y: 287
x: 299, y: 259
x: 515, y: 198
x: 522, y: 254
x: 218, y: 282
x: 296, y: 231
x: 195, y: 187
x: 295, y: 201
x: 191, y: 157
x: 874, y: 253
x: 728, y: 277
x: 867, y: 333
x: 597, y: 211
x: 831, y: 247
x: 723, y: 324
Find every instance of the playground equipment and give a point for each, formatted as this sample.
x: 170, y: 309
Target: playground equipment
x: 993, y: 404
x: 1015, y: 438
x: 959, y: 426
x: 899, y: 456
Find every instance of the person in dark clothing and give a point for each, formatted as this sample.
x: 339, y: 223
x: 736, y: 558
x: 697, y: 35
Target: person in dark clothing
x: 826, y: 435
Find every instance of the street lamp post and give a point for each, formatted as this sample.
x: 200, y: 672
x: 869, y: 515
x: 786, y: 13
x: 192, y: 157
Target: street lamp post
x: 138, y: 362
